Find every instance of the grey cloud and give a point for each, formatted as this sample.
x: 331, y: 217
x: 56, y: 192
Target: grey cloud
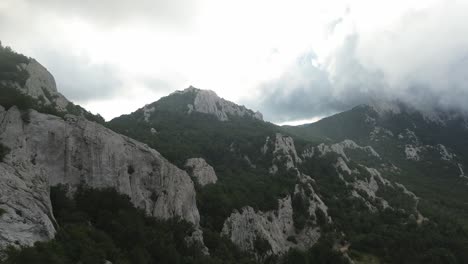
x: 306, y: 90
x: 423, y: 62
x: 78, y: 79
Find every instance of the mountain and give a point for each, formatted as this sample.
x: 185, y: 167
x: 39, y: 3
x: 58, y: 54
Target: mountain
x: 333, y: 160
x: 428, y: 148
x: 194, y: 178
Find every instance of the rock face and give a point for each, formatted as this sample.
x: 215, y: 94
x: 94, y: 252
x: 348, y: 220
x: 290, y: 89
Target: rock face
x: 209, y: 102
x: 201, y: 171
x: 48, y: 150
x: 365, y: 183
x: 247, y: 228
x: 41, y: 85
x: 340, y: 148
x: 28, y: 212
x: 282, y: 147
x: 275, y: 230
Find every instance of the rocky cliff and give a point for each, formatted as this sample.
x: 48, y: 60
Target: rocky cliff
x: 200, y: 170
x: 209, y: 102
x: 279, y: 230
x: 47, y: 150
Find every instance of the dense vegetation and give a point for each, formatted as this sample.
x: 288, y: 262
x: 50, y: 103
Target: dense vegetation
x: 230, y: 147
x: 391, y: 236
x: 99, y: 225
x: 436, y: 181
x: 388, y: 236
x: 321, y: 253
x: 9, y: 66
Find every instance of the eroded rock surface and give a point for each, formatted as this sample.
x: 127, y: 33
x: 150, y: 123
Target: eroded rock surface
x: 48, y: 150
x: 199, y: 169
x: 208, y: 102
x: 41, y: 86
x: 247, y: 227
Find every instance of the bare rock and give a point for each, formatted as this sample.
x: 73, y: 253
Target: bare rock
x: 48, y: 150
x: 201, y: 171
x: 276, y: 228
x: 208, y: 102
x: 41, y: 85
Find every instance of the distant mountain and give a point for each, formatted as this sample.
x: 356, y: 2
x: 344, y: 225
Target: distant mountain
x: 429, y: 149
x: 185, y: 123
x: 194, y: 178
x: 204, y: 101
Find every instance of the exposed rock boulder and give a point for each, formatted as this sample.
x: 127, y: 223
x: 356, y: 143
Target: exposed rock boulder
x: 47, y: 150
x: 201, y: 171
x: 413, y: 152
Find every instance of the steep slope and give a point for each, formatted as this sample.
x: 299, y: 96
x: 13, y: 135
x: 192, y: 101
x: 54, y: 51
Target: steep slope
x: 312, y: 194
x: 51, y: 147
x: 278, y: 195
x: 194, y: 122
x: 429, y: 149
x: 47, y: 150
x: 202, y: 101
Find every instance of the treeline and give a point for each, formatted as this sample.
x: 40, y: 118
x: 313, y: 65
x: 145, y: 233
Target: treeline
x: 392, y: 235
x: 9, y: 66
x: 102, y: 225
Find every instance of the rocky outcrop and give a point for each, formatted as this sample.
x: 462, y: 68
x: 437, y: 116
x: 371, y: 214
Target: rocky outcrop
x: 208, y: 102
x: 41, y: 86
x: 275, y: 232
x: 413, y: 152
x: 444, y: 153
x: 201, y: 171
x: 27, y: 216
x: 366, y: 183
x: 283, y: 151
x: 274, y: 229
x: 340, y: 149
x: 47, y: 150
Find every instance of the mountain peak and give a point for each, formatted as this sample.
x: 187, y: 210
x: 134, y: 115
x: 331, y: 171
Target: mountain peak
x: 208, y: 102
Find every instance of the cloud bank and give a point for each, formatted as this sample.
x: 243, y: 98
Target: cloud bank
x: 421, y: 60
x: 292, y: 60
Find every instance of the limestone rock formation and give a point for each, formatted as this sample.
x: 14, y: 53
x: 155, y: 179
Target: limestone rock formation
x: 340, y: 149
x: 282, y: 147
x: 41, y: 86
x: 201, y: 171
x: 209, y: 102
x: 247, y: 227
x: 276, y: 229
x: 47, y: 150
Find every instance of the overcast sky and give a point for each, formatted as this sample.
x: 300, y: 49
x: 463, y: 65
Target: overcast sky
x: 293, y: 60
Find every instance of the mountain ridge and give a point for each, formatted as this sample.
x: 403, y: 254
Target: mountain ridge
x: 344, y: 189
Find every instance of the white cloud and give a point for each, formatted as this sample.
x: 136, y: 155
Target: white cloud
x: 145, y: 49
